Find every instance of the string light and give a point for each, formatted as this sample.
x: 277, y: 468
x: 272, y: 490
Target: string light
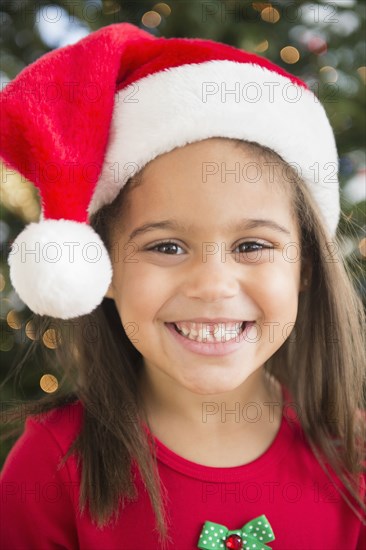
x: 51, y: 339
x: 329, y: 73
x: 270, y: 15
x: 290, y: 55
x: 262, y: 46
x: 30, y: 331
x: 163, y: 9
x: 13, y: 320
x: 48, y: 383
x: 110, y: 7
x: 151, y: 19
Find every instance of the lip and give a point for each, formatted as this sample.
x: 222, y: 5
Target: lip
x: 211, y: 348
x: 207, y: 320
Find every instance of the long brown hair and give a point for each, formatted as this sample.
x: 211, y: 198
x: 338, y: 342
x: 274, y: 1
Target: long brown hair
x: 322, y: 365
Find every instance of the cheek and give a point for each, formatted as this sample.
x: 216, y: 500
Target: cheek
x: 276, y: 290
x: 140, y: 290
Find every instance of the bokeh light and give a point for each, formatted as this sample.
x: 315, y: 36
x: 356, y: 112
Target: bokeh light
x: 329, y: 74
x: 48, y: 383
x: 110, y: 7
x: 163, y: 9
x: 14, y: 320
x: 270, y: 15
x: 151, y: 19
x: 31, y: 331
x: 262, y: 46
x: 51, y: 338
x: 290, y: 54
x: 317, y: 45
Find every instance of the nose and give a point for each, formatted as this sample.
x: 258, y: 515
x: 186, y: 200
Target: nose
x: 212, y: 280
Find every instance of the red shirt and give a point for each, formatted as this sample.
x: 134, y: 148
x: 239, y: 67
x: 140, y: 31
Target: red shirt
x: 39, y: 501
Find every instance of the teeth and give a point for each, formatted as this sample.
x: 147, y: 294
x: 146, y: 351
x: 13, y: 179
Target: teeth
x: 210, y: 332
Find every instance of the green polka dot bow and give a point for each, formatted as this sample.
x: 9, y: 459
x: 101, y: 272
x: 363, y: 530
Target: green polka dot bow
x: 251, y: 536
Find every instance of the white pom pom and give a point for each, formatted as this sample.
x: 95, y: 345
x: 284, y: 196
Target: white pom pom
x: 60, y: 268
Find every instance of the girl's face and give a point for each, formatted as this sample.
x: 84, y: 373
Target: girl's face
x: 208, y: 191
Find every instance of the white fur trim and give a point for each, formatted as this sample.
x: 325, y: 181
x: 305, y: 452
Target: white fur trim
x: 60, y: 268
x: 192, y: 102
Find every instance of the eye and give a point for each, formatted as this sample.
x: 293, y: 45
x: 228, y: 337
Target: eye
x: 165, y: 247
x: 253, y: 246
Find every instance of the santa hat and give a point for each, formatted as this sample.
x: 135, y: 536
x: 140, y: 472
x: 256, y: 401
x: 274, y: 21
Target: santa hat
x: 79, y: 121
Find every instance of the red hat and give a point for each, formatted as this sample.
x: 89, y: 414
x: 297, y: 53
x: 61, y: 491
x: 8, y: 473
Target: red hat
x: 79, y: 121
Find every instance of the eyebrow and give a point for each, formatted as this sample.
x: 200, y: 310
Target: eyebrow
x: 243, y: 225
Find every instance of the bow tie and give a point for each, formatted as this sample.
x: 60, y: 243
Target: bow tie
x: 251, y: 536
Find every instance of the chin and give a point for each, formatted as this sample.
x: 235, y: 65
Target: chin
x: 211, y: 388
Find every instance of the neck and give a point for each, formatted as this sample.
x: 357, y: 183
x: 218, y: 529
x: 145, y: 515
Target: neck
x: 220, y: 430
x: 258, y: 399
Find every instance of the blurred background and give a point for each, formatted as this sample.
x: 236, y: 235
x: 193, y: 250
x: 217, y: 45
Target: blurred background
x: 321, y: 42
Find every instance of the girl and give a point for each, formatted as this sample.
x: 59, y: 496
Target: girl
x: 219, y: 403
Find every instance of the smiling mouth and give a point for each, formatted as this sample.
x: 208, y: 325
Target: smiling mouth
x: 210, y: 332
